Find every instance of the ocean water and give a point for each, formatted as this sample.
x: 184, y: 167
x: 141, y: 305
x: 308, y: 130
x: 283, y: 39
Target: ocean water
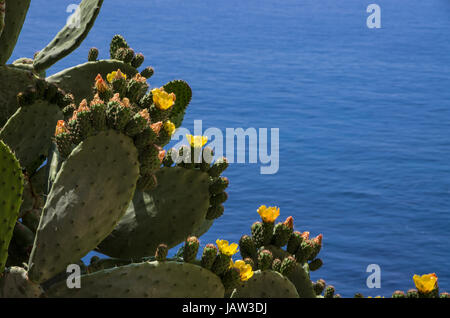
x: 364, y: 116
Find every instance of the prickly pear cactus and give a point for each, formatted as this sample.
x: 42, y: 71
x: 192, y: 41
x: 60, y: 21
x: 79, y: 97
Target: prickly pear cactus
x: 83, y: 167
x: 71, y: 36
x: 13, y: 13
x: 11, y: 188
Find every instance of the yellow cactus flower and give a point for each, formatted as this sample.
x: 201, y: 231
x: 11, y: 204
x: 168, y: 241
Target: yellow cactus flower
x: 226, y: 248
x: 169, y: 127
x: 115, y: 75
x: 425, y: 283
x: 245, y: 270
x: 268, y: 214
x: 197, y: 141
x: 162, y: 99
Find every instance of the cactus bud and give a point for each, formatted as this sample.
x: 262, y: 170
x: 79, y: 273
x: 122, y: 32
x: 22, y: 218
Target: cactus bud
x: 294, y: 242
x: 218, y: 167
x: 319, y: 286
x: 315, y: 264
x: 265, y: 260
x: 161, y: 252
x: 137, y: 60
x: 148, y: 72
x: 209, y: 256
x: 94, y: 259
x: 190, y: 249
x: 276, y: 265
x: 218, y: 198
x: 282, y: 232
x: 329, y: 291
x: 304, y: 252
x: 412, y: 293
x: 117, y: 42
x: 398, y: 294
x: 93, y: 54
x: 214, y: 212
x: 288, y: 265
x: 257, y: 234
x: 218, y: 185
x: 247, y: 247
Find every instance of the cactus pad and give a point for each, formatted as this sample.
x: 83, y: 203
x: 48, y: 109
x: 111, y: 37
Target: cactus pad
x: 91, y: 193
x: 14, y: 80
x: 167, y: 279
x: 266, y: 284
x: 11, y: 188
x: 168, y: 214
x: 16, y: 11
x: 70, y: 36
x: 29, y: 132
x: 78, y: 80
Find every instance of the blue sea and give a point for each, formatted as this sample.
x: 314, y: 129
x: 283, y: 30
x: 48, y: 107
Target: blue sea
x: 364, y: 116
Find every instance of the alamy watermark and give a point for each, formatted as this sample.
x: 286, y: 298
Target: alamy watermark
x: 74, y: 20
x: 374, y: 19
x: 374, y: 279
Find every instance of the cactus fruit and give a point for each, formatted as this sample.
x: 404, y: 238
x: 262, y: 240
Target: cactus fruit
x: 11, y: 188
x: 148, y: 72
x: 282, y: 232
x: 315, y: 264
x: 398, y: 294
x: 145, y: 280
x: 265, y: 259
x: 266, y: 284
x: 319, y: 286
x: 161, y: 252
x: 329, y: 291
x: 412, y: 293
x: 93, y: 54
x: 70, y: 36
x: 190, y: 249
x: 247, y: 247
x: 287, y: 265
